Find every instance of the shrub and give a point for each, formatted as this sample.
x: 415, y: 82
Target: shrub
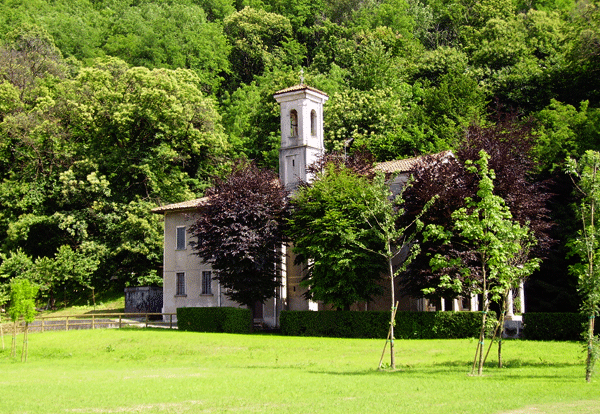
x: 554, y: 326
x: 375, y: 324
x: 230, y: 320
x: 237, y: 320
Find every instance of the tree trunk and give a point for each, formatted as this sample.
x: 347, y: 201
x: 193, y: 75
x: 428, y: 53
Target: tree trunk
x: 2, y: 332
x: 500, y: 326
x: 590, y: 352
x: 392, y: 315
x: 24, y: 350
x: 501, y: 322
x: 13, y: 349
x: 480, y: 344
x: 482, y: 339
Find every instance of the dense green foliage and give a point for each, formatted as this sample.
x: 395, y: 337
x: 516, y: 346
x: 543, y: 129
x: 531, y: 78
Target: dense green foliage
x: 229, y: 320
x: 111, y: 107
x: 324, y: 216
x: 557, y: 326
x: 375, y: 324
x: 586, y: 246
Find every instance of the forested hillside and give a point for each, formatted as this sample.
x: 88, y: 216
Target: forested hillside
x: 111, y: 107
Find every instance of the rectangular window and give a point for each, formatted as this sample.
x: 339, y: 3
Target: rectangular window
x: 206, y: 282
x: 180, y: 290
x: 180, y: 238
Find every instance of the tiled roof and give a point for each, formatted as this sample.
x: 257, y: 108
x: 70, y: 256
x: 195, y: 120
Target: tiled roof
x: 184, y: 205
x: 395, y: 166
x: 408, y: 164
x: 299, y: 87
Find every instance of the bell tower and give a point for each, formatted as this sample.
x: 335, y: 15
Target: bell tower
x: 301, y: 145
x: 301, y: 132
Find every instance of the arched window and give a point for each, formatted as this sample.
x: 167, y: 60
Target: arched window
x: 313, y: 123
x: 294, y: 123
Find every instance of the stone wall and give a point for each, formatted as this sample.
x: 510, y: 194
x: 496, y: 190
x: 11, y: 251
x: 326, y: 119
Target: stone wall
x: 143, y: 299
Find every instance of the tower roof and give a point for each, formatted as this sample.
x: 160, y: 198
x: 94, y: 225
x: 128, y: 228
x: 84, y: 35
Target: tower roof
x: 298, y: 88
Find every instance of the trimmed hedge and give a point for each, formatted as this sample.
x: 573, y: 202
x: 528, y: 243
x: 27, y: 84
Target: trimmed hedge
x: 554, y: 326
x: 229, y: 320
x: 375, y: 324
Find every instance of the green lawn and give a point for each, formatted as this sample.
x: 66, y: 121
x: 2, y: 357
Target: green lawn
x: 161, y: 371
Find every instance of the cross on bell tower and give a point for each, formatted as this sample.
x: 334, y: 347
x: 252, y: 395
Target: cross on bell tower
x: 301, y: 131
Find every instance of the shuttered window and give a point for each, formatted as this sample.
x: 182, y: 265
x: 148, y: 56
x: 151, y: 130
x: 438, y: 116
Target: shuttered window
x: 180, y: 244
x: 180, y: 290
x: 206, y: 282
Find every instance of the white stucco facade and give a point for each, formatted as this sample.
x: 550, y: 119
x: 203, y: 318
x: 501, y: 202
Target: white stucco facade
x: 185, y: 282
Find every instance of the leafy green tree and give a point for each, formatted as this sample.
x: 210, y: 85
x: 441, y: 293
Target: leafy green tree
x: 22, y: 305
x: 324, y: 214
x: 583, y: 54
x: 397, y: 15
x: 77, y: 27
x: 216, y: 10
x: 239, y: 230
x: 153, y: 136
x: 162, y: 130
x: 251, y: 117
x: 510, y: 144
x: 257, y: 37
x: 384, y: 126
x: 492, y: 266
x: 433, y: 64
x: 563, y: 131
x: 520, y: 59
x: 170, y: 35
x: 586, y: 246
x: 395, y: 245
x: 28, y: 54
x: 304, y: 15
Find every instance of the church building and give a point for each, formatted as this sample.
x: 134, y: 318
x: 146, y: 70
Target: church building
x: 188, y: 281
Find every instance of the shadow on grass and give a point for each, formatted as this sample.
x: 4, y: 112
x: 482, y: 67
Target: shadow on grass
x: 511, y: 363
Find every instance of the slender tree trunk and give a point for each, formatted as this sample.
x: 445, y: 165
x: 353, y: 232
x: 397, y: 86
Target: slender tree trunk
x: 590, y: 352
x: 24, y: 350
x: 392, y: 314
x: 13, y: 349
x: 486, y: 305
x: 589, y: 363
x: 388, y: 338
x: 492, y: 341
x: 2, y: 332
x: 499, y: 326
x: 475, y: 358
x: 502, y: 312
x: 481, y: 340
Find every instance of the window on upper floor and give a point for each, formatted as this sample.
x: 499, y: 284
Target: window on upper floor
x: 180, y: 288
x: 180, y: 243
x: 206, y: 282
x: 294, y: 123
x: 313, y: 123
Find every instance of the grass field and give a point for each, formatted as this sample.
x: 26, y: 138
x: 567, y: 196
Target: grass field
x: 161, y: 371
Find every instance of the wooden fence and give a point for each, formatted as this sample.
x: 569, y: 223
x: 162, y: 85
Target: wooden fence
x: 94, y: 321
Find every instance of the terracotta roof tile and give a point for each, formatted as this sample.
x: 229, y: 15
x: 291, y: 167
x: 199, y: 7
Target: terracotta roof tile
x: 184, y: 205
x: 408, y: 164
x: 299, y: 87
